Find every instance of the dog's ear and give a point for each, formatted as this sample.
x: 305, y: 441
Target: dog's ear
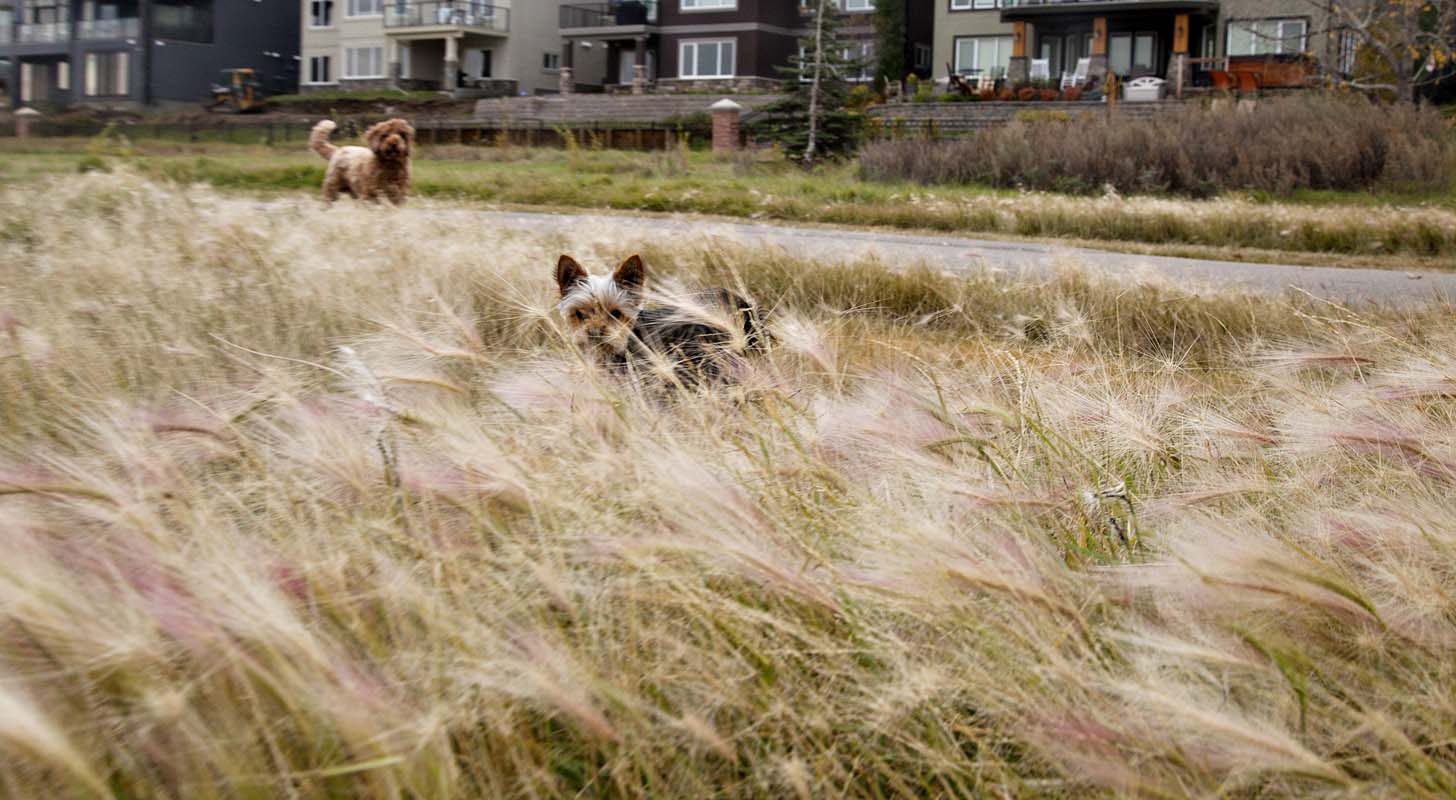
x: 632, y: 275
x: 568, y: 274
x: 374, y: 137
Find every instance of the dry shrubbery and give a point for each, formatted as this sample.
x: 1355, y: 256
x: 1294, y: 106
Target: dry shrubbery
x: 320, y: 504
x: 1283, y: 145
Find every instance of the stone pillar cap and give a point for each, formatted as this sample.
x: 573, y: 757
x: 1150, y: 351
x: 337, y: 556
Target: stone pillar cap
x: 725, y: 105
x: 27, y: 112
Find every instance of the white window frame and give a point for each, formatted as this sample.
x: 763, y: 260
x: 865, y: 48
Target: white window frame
x: 313, y: 18
x: 974, y: 5
x: 693, y: 6
x: 356, y: 8
x: 859, y: 5
x: 94, y: 75
x: 329, y: 77
x: 1279, y: 40
x: 865, y: 57
x: 351, y: 63
x: 924, y: 56
x: 683, y: 61
x: 1001, y: 40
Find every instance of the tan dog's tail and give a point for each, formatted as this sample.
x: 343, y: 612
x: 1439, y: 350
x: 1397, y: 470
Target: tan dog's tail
x: 318, y: 140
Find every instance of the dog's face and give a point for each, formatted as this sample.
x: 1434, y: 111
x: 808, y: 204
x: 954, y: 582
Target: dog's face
x: 600, y: 312
x: 391, y: 140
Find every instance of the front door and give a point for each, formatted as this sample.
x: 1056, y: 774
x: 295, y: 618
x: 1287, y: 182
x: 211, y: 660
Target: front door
x: 626, y: 63
x: 485, y: 63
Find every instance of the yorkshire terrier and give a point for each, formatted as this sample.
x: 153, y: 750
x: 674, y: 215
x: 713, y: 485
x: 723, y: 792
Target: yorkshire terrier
x: 694, y: 340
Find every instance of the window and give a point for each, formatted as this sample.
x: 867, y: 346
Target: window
x: 27, y: 82
x: 707, y: 59
x: 321, y: 69
x: 1260, y: 37
x: 321, y: 13
x: 978, y: 55
x: 709, y: 5
x: 106, y: 74
x: 550, y: 61
x: 859, y: 62
x: 859, y: 5
x: 973, y: 5
x: 1349, y: 52
x: 922, y: 56
x: 182, y: 20
x: 365, y: 8
x: 63, y: 75
x: 364, y: 62
x: 1132, y: 53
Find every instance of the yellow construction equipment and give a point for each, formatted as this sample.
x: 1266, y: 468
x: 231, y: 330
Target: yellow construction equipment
x: 240, y: 92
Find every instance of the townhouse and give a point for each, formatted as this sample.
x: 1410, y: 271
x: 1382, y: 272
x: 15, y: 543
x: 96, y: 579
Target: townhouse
x: 122, y: 53
x: 470, y: 47
x: 730, y: 45
x: 1133, y: 38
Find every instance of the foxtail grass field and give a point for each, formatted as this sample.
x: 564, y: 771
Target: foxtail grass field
x: 310, y: 503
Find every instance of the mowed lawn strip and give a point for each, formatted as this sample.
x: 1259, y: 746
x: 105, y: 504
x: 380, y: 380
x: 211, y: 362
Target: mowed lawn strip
x: 1399, y: 231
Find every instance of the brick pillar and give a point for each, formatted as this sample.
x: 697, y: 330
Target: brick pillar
x: 25, y: 120
x: 1019, y: 70
x: 1180, y: 72
x: 727, y: 116
x: 1097, y: 68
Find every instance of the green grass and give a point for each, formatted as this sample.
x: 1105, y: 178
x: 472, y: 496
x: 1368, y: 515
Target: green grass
x: 1391, y: 230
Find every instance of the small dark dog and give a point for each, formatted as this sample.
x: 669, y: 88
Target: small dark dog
x: 381, y: 170
x: 695, y: 340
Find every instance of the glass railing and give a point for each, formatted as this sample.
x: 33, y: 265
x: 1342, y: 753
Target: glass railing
x: 457, y: 13
x: 42, y: 32
x: 605, y: 15
x: 125, y: 28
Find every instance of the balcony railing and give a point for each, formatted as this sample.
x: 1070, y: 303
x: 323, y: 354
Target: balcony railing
x: 124, y: 28
x: 44, y: 32
x: 610, y: 14
x: 450, y: 13
x: 1041, y: 3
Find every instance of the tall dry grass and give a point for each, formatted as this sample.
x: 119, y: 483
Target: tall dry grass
x: 302, y: 503
x: 1281, y: 146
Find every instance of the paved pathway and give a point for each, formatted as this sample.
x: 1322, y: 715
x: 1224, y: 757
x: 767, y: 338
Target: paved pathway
x: 1389, y: 287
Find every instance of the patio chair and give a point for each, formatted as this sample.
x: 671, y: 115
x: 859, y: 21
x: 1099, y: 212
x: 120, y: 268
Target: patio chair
x: 1079, y: 77
x: 1041, y: 69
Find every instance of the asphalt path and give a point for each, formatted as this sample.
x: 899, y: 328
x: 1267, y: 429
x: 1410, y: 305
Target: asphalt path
x: 1346, y: 285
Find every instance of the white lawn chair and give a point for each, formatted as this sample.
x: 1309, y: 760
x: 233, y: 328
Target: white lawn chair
x: 1070, y: 79
x: 1041, y: 69
x: 985, y: 82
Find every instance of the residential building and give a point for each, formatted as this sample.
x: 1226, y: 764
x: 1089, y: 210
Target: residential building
x: 471, y: 47
x: 136, y: 52
x: 733, y: 45
x: 1130, y: 37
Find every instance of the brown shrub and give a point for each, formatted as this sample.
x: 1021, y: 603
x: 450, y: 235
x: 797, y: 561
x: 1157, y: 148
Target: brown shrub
x: 1049, y: 95
x: 1314, y: 142
x: 1027, y: 95
x: 1072, y: 94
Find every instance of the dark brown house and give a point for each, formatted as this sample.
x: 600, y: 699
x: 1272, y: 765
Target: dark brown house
x: 730, y: 45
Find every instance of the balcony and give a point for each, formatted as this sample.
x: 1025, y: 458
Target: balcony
x: 619, y: 13
x: 447, y: 14
x: 1017, y: 9
x: 44, y: 33
x: 124, y: 28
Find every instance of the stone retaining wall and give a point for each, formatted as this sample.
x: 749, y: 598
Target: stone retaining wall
x: 578, y: 108
x: 966, y: 117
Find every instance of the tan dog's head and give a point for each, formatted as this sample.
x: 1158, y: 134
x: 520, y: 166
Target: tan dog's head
x: 391, y: 140
x: 600, y: 312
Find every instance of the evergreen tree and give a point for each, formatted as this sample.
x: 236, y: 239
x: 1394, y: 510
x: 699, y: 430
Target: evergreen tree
x: 812, y: 122
x: 890, y: 37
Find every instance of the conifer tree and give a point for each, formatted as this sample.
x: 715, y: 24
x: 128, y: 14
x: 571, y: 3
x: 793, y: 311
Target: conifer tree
x: 812, y: 122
